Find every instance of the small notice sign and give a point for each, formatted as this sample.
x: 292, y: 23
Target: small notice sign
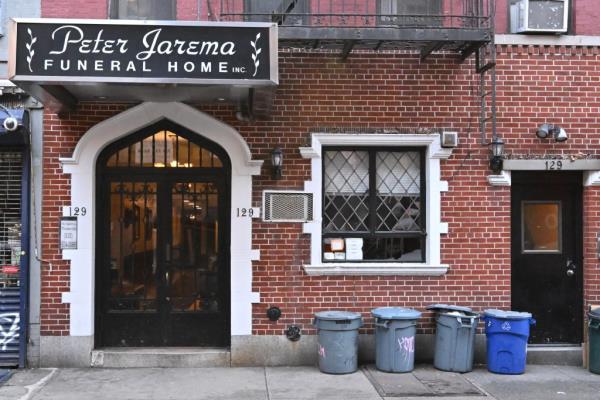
x: 68, y: 233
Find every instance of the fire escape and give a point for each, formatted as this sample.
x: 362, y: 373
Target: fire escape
x: 461, y: 27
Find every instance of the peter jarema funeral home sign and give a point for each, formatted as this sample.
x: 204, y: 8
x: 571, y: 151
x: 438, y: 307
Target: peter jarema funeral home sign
x: 48, y: 50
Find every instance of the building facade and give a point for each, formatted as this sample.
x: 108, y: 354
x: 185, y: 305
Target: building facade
x: 167, y: 220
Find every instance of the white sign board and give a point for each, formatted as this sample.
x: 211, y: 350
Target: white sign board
x: 68, y: 233
x: 354, y: 249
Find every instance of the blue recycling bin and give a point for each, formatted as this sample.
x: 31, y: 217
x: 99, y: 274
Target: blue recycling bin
x: 507, y: 333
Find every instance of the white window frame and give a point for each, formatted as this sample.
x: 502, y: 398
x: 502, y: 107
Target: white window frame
x: 435, y: 186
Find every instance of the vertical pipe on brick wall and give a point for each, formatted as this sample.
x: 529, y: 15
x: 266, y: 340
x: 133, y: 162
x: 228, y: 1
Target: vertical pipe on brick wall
x: 24, y: 259
x: 492, y: 16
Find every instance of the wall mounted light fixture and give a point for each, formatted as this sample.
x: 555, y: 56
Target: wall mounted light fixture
x: 277, y: 162
x: 497, y: 149
x: 550, y: 130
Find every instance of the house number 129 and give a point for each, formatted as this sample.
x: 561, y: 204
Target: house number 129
x: 77, y: 211
x: 250, y: 212
x: 245, y: 212
x: 553, y: 165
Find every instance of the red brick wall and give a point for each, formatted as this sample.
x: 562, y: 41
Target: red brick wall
x: 60, y: 137
x: 586, y: 17
x: 74, y: 9
x: 318, y: 90
x: 187, y: 10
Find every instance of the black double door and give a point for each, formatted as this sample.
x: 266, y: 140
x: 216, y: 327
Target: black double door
x: 162, y: 259
x: 547, y: 267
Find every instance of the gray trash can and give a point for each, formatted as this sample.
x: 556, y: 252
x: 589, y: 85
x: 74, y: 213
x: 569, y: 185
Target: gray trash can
x: 455, y: 337
x: 395, y: 329
x: 337, y: 345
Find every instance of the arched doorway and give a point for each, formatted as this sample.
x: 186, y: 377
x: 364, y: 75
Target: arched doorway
x: 162, y: 240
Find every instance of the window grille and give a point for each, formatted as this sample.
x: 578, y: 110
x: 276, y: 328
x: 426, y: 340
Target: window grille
x: 376, y: 196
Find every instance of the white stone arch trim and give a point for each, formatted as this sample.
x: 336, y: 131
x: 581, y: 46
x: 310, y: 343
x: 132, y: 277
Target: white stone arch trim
x: 435, y: 186
x: 82, y: 168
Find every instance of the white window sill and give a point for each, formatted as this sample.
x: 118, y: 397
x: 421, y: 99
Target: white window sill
x: 409, y: 269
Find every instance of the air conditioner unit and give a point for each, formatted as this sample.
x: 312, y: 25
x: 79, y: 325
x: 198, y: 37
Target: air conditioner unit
x: 287, y: 206
x: 528, y: 16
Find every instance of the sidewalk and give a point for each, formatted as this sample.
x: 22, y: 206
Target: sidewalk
x: 298, y: 383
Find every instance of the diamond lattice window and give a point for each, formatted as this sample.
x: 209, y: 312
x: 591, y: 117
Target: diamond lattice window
x: 373, y: 204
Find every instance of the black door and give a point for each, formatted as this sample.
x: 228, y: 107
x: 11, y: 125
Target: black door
x: 162, y: 254
x: 547, y: 273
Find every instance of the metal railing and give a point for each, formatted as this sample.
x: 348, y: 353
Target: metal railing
x: 422, y: 14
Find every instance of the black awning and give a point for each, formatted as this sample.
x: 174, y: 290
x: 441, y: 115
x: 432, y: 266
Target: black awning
x: 18, y: 136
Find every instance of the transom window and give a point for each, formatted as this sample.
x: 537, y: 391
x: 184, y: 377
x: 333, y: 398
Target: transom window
x: 373, y: 204
x: 143, y: 9
x: 164, y: 149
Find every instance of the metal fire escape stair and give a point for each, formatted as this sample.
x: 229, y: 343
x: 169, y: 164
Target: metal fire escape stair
x: 485, y: 66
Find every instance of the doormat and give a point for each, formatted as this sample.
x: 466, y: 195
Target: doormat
x: 424, y: 381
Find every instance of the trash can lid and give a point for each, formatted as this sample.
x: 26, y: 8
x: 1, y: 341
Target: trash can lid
x: 595, y: 313
x: 507, y: 314
x: 337, y: 315
x: 448, y: 307
x: 395, y: 313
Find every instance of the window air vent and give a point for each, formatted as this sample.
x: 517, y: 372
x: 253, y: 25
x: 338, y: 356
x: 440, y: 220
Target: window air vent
x: 287, y: 206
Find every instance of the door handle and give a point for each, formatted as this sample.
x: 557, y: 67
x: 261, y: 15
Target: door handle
x: 571, y: 267
x: 168, y: 252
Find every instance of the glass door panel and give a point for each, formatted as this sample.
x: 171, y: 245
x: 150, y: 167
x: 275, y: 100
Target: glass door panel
x: 133, y: 257
x: 193, y: 268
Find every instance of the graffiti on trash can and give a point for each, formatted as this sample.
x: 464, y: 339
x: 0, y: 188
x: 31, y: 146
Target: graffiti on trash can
x: 321, y: 351
x: 407, y: 345
x: 10, y: 334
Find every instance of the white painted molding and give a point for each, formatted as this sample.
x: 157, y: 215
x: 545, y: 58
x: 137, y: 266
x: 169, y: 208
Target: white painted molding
x: 146, y: 114
x: 66, y: 297
x: 435, y: 228
x: 309, y: 152
x: 547, y: 40
x: 408, y: 269
x: 82, y: 168
x: 502, y: 179
x: 443, y: 186
x: 255, y: 297
x: 431, y: 140
x: 444, y: 228
x: 255, y: 255
x: 542, y: 165
x: 591, y: 178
